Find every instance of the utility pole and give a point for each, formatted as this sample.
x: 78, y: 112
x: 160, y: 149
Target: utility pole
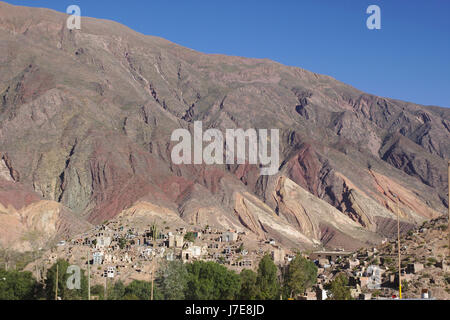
x: 155, y: 237
x: 56, y: 287
x: 399, y: 259
x: 448, y: 204
x: 38, y: 277
x: 153, y: 269
x: 89, y: 274
x: 106, y: 285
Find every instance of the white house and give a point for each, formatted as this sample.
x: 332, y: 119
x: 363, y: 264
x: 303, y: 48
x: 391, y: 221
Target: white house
x: 103, y: 242
x: 97, y: 258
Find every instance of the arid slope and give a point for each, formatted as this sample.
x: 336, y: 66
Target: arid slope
x: 86, y: 117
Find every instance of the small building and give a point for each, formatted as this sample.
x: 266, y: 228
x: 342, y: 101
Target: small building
x: 111, y: 272
x: 355, y: 292
x: 193, y: 252
x: 229, y: 236
x: 414, y: 267
x: 126, y: 258
x: 352, y: 263
x: 170, y: 256
x: 97, y: 258
x: 321, y: 293
x: 102, y: 242
x: 147, y: 252
x: 365, y: 296
x: 330, y: 255
x: 364, y: 281
x: 324, y: 263
x: 245, y: 263
x: 310, y: 295
x: 278, y: 255
x: 176, y: 241
x: 197, y: 234
x: 52, y: 258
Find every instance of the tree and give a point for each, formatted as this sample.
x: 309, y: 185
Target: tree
x: 15, y: 285
x: 116, y: 291
x: 63, y: 291
x: 301, y: 274
x: 339, y: 289
x: 99, y: 291
x: 130, y: 296
x: 172, y: 280
x: 136, y: 290
x: 6, y: 255
x: 35, y: 239
x: 211, y: 281
x: 141, y: 290
x: 267, y: 280
x: 189, y: 236
x: 122, y: 243
x: 249, y: 289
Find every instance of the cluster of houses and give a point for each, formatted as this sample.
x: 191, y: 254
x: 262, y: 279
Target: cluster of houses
x: 368, y: 272
x: 116, y: 251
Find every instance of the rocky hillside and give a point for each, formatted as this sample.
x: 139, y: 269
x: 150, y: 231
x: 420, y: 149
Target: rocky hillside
x: 28, y: 222
x: 424, y: 261
x: 86, y: 118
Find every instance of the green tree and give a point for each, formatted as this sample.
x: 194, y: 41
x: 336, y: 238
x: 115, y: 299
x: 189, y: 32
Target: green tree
x: 211, y: 281
x: 249, y: 289
x: 136, y: 290
x: 130, y: 296
x: 63, y: 291
x: 142, y: 291
x: 267, y: 280
x: 339, y: 289
x: 99, y: 291
x: 189, y: 236
x: 116, y: 291
x: 15, y: 285
x: 301, y: 274
x: 6, y: 255
x: 172, y: 280
x: 122, y: 243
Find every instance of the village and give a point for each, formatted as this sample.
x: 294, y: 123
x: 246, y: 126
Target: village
x: 117, y: 252
x: 373, y: 272
x: 124, y: 253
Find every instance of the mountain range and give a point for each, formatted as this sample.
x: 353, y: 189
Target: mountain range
x: 86, y: 118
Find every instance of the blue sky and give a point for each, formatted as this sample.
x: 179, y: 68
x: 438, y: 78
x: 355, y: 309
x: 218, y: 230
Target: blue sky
x: 408, y: 59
